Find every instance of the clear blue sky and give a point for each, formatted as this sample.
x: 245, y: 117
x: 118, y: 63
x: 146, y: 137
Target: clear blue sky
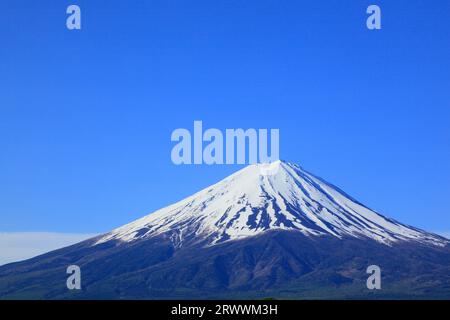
x: 86, y: 116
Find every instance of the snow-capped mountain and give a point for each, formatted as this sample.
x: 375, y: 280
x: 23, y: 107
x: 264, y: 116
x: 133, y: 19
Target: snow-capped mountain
x: 262, y: 197
x: 269, y: 230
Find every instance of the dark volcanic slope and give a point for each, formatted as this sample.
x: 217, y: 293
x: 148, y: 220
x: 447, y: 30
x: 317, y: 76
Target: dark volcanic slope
x: 279, y: 264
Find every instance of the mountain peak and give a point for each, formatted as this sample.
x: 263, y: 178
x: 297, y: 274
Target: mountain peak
x: 263, y: 197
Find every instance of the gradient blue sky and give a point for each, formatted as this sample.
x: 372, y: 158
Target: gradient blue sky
x: 86, y: 116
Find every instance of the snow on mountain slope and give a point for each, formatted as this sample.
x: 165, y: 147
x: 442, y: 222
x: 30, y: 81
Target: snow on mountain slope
x: 265, y: 197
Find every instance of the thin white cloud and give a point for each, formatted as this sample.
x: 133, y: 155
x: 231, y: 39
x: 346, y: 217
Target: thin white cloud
x: 17, y: 246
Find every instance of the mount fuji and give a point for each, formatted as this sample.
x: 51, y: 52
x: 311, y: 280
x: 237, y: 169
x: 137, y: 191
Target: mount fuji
x: 262, y: 197
x: 269, y: 230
